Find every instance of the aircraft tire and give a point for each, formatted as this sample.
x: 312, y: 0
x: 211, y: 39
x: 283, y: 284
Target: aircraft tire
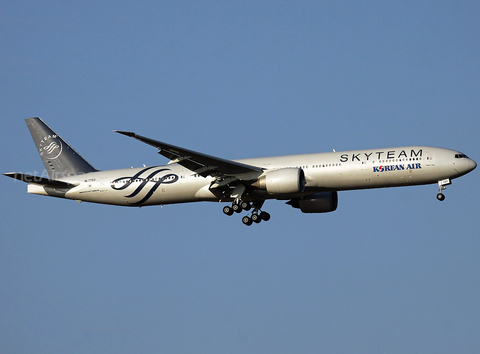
x: 265, y: 216
x: 246, y: 206
x: 247, y: 220
x: 256, y: 218
x: 227, y: 210
x: 441, y: 197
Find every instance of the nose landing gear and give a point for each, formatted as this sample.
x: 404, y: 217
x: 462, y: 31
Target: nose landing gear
x: 441, y: 188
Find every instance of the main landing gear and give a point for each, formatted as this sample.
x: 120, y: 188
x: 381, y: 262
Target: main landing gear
x: 441, y: 188
x: 256, y: 216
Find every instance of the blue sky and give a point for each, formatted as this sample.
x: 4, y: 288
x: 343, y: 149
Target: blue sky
x: 392, y: 270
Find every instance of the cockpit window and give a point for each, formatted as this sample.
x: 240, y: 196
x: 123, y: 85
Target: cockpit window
x: 461, y: 156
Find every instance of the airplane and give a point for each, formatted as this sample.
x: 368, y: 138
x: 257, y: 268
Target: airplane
x: 308, y: 182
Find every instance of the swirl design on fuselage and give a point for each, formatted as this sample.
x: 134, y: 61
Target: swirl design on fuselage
x: 152, y: 182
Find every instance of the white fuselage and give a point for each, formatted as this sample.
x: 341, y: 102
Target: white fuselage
x: 334, y: 171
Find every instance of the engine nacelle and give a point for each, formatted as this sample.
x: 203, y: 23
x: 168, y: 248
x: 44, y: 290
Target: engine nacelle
x: 282, y: 181
x: 323, y: 202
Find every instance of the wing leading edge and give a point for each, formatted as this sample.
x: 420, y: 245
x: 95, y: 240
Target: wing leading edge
x: 202, y: 164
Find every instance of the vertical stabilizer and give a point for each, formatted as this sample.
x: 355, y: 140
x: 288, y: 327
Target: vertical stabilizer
x: 59, y: 158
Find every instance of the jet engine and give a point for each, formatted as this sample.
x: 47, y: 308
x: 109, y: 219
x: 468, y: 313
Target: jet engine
x: 323, y: 202
x: 282, y: 181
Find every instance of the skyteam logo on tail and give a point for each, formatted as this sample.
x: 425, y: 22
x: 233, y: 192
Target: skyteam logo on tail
x: 390, y: 168
x: 50, y: 147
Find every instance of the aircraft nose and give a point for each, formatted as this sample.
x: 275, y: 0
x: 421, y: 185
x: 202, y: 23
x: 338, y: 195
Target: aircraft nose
x: 473, y: 165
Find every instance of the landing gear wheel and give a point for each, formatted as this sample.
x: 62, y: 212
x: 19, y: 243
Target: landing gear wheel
x: 237, y: 208
x: 247, y: 220
x: 227, y: 210
x: 265, y: 216
x: 440, y: 197
x: 256, y: 218
x: 246, y: 206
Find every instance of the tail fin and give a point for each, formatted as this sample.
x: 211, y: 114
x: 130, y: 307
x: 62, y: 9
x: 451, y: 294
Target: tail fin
x: 59, y: 158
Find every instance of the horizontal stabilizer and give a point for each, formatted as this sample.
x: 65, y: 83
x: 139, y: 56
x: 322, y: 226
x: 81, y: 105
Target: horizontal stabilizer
x: 39, y: 180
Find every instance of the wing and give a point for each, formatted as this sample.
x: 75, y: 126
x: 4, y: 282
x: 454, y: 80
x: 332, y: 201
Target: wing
x: 202, y: 164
